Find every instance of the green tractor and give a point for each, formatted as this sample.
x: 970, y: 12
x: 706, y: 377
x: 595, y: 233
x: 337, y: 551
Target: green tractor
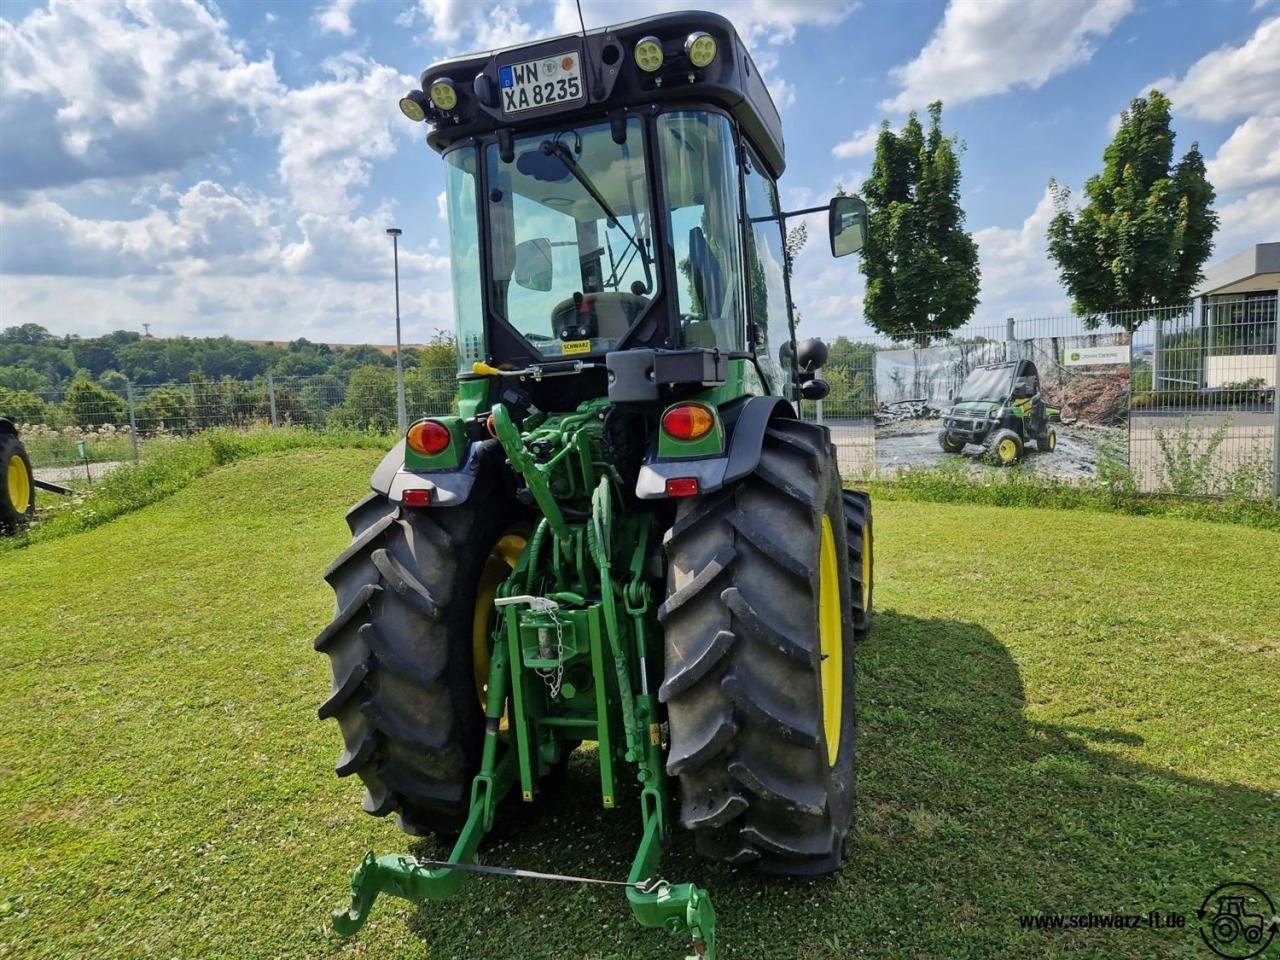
x: 1000, y: 408
x: 624, y: 536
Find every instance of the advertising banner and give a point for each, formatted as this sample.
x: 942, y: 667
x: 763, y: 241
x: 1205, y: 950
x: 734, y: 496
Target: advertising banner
x: 1054, y: 406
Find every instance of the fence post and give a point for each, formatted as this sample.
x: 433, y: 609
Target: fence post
x: 819, y: 406
x: 1275, y: 409
x: 1008, y: 329
x: 1157, y: 348
x: 133, y: 420
x: 271, y: 396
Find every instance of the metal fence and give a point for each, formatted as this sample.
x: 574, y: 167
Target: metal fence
x: 1197, y: 412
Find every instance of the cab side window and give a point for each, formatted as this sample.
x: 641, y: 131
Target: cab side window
x: 766, y: 291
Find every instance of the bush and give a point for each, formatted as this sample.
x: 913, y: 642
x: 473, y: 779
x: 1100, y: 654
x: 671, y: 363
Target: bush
x: 89, y: 405
x: 22, y: 406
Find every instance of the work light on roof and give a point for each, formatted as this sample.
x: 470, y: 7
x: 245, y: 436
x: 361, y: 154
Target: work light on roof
x: 443, y: 94
x: 414, y: 105
x: 648, y: 54
x: 700, y: 48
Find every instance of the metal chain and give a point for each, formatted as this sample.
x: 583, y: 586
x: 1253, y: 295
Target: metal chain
x: 643, y: 886
x: 555, y: 678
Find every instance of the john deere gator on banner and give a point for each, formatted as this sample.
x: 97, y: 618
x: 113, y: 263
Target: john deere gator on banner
x: 1055, y: 405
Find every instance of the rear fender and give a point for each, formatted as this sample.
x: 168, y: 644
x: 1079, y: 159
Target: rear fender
x: 745, y: 424
x: 449, y: 488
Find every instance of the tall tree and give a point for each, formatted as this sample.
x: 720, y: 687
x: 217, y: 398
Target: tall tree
x: 1146, y: 228
x: 921, y: 264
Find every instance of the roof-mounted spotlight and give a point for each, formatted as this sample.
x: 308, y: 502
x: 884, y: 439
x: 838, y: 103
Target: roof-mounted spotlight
x: 700, y: 48
x: 414, y: 105
x: 648, y: 54
x: 443, y: 94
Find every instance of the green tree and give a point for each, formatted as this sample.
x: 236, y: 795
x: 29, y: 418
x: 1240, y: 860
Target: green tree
x: 1147, y: 225
x: 22, y: 406
x: 165, y: 408
x: 920, y: 263
x: 89, y: 405
x: 370, y: 401
x: 23, y: 378
x: 115, y: 381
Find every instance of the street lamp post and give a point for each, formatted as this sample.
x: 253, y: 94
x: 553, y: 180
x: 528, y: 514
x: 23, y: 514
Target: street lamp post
x: 401, y: 417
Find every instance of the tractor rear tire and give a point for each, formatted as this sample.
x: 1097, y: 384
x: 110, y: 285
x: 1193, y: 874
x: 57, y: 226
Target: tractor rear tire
x: 759, y: 682
x: 400, y: 649
x: 858, y: 537
x: 17, y: 485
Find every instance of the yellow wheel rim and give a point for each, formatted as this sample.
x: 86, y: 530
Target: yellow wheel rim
x: 497, y: 567
x: 830, y: 640
x: 866, y: 568
x: 1007, y: 450
x: 1053, y: 440
x: 19, y: 483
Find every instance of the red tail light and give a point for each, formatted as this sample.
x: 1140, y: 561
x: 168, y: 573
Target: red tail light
x: 682, y: 487
x: 688, y: 421
x: 416, y: 498
x: 428, y: 437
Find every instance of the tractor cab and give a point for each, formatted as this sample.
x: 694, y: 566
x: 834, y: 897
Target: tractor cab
x: 616, y: 191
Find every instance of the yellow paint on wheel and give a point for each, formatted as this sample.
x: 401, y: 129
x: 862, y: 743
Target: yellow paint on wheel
x: 19, y: 484
x: 830, y: 640
x: 1053, y: 441
x: 1007, y: 450
x: 497, y: 567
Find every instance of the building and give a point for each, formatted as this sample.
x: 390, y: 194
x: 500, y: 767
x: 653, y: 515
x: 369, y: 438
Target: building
x: 1237, y: 308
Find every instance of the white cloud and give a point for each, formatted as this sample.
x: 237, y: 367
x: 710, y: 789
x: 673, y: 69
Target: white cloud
x: 1018, y: 278
x: 473, y: 25
x: 336, y: 18
x: 273, y: 307
x: 207, y: 231
x: 986, y: 47
x: 771, y: 21
x: 332, y: 132
x: 1254, y: 218
x: 120, y: 90
x: 863, y: 142
x: 1249, y: 157
x: 1231, y: 81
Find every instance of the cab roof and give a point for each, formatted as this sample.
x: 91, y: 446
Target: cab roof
x: 613, y: 81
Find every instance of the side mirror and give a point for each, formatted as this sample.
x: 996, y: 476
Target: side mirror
x: 533, y: 268
x: 811, y: 354
x: 814, y: 389
x: 847, y: 224
x: 785, y: 353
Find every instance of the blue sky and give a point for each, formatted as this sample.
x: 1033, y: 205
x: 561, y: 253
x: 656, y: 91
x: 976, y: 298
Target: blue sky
x: 230, y: 168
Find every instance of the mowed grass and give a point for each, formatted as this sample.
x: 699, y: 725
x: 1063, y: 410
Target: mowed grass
x: 1060, y: 712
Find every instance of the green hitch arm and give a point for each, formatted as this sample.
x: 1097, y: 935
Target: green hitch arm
x: 522, y: 460
x: 674, y: 907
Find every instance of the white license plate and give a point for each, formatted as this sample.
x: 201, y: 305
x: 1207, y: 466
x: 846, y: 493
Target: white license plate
x: 541, y: 83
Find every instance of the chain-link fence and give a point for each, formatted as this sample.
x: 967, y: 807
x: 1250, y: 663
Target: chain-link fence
x: 1183, y: 400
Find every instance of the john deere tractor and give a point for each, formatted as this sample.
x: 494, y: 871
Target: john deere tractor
x: 624, y: 537
x: 1000, y: 408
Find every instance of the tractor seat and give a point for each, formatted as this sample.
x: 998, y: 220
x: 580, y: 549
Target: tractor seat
x: 613, y: 312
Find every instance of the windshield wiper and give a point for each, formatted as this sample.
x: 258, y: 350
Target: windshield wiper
x: 557, y: 149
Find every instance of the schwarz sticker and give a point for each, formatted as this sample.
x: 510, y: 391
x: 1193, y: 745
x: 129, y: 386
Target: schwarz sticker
x: 577, y: 346
x: 541, y: 83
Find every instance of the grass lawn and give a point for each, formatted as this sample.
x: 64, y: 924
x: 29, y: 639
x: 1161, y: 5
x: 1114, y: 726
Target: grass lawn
x: 1060, y: 712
